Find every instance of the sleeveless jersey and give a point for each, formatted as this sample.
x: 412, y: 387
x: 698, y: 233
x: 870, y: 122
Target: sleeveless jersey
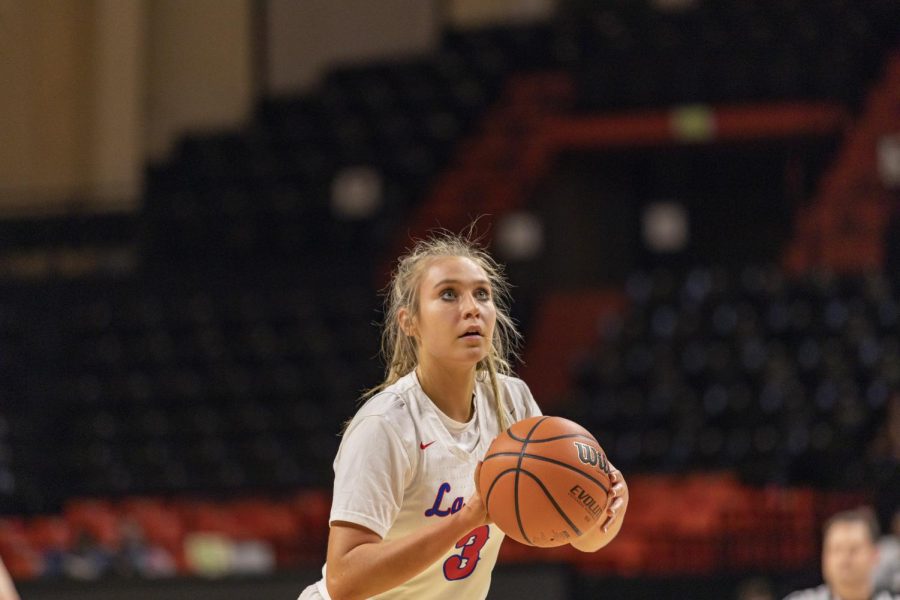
x: 399, y: 467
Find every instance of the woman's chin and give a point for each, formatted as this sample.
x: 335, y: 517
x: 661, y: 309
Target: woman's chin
x: 475, y: 355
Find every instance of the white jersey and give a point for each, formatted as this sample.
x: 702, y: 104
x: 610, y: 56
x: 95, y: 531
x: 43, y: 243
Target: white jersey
x: 823, y: 593
x: 402, y: 463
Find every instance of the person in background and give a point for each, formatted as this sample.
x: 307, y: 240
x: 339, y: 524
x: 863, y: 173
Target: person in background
x: 138, y: 557
x: 849, y: 557
x: 88, y: 559
x: 887, y: 571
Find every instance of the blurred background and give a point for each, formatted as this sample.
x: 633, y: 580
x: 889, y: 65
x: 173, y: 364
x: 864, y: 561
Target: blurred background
x: 199, y: 201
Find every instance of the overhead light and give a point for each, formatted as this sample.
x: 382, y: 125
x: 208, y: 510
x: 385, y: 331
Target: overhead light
x: 520, y: 236
x: 356, y: 193
x: 665, y: 227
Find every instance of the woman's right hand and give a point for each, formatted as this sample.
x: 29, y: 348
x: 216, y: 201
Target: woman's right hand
x: 475, y: 504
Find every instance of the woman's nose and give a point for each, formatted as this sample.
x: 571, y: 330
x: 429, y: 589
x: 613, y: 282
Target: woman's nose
x: 469, y: 306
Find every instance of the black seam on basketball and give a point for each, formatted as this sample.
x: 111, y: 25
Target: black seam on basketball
x: 560, y: 463
x: 487, y: 498
x: 516, y: 486
x: 552, y: 500
x: 552, y: 461
x: 551, y: 439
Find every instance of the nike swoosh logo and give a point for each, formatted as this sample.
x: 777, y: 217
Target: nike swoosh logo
x: 423, y: 446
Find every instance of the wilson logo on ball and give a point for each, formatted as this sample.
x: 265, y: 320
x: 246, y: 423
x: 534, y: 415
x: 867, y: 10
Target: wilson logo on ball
x: 589, y: 456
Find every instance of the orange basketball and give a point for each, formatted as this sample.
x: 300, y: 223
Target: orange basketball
x: 545, y: 481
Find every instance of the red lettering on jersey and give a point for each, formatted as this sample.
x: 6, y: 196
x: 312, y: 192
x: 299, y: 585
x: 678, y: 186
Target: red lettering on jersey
x: 460, y: 566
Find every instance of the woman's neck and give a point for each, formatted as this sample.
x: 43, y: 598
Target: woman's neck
x: 450, y: 389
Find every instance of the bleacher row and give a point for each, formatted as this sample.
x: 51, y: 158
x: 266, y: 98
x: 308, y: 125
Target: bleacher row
x: 295, y: 528
x: 632, y: 54
x: 694, y: 524
x: 783, y: 380
x: 706, y: 523
x: 177, y: 387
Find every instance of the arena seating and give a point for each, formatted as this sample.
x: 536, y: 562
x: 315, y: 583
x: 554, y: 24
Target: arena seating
x: 728, y: 527
x: 782, y: 380
x: 177, y: 386
x: 633, y: 54
x: 225, y: 362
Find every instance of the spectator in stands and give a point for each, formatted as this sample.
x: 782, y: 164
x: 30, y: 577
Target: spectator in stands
x: 136, y: 556
x: 849, y: 558
x: 88, y: 559
x: 7, y: 589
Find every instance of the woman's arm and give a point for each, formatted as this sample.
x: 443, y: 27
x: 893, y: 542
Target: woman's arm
x: 607, y: 529
x: 360, y: 565
x: 7, y: 590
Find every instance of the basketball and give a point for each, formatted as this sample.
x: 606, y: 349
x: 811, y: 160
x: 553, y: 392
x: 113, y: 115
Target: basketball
x: 545, y: 481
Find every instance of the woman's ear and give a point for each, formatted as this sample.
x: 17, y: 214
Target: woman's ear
x: 406, y: 322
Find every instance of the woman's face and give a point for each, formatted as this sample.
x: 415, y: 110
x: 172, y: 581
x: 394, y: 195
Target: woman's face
x: 456, y: 316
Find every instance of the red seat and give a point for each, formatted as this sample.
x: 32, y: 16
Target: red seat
x: 96, y: 517
x: 160, y: 523
x: 49, y: 533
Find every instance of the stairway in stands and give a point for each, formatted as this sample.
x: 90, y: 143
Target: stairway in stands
x: 497, y: 166
x: 843, y: 228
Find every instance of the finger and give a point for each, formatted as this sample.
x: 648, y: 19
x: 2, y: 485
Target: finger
x: 613, y: 514
x: 615, y: 506
x: 614, y: 475
x: 615, y: 492
x: 607, y: 524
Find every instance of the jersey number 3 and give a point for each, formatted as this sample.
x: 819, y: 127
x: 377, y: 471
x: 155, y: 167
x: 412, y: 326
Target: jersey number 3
x: 460, y: 566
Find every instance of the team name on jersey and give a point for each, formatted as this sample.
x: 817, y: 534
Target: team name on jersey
x: 437, y: 511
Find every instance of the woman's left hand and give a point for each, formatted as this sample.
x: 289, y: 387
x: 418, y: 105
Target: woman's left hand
x: 618, y: 500
x: 607, y: 528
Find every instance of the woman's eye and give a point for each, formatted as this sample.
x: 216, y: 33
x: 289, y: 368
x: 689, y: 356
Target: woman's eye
x: 482, y: 294
x: 448, y: 294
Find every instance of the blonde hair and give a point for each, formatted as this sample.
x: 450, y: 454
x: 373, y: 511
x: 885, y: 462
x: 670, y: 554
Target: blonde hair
x: 399, y: 350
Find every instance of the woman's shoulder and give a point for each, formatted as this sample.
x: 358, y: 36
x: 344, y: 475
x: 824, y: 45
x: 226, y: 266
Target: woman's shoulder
x: 391, y: 403
x: 516, y: 396
x: 511, y: 380
x: 514, y: 385
x: 389, y: 410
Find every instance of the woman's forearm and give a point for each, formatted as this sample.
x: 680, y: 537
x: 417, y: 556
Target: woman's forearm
x: 7, y: 590
x: 372, y: 568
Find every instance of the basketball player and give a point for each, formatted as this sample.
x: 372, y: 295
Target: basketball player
x: 406, y: 519
x: 849, y: 556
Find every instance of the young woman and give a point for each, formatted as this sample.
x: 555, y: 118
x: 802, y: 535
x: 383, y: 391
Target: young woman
x: 406, y: 519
